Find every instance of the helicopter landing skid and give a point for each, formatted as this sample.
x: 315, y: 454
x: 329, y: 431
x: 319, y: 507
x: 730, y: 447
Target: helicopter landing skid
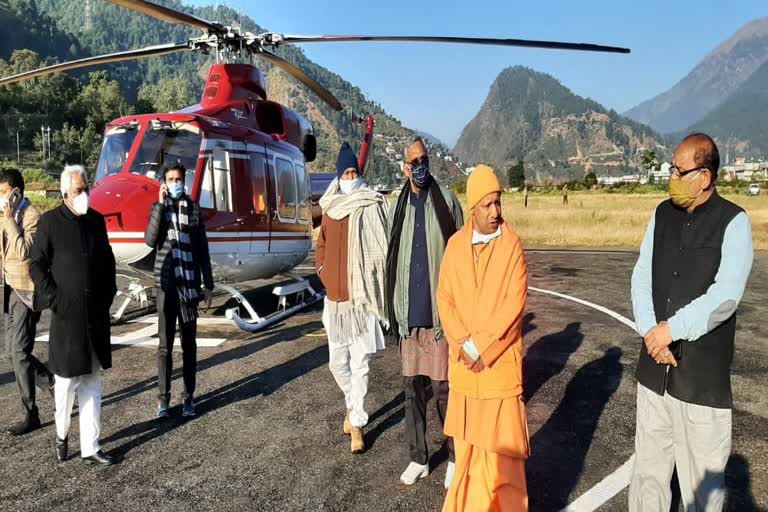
x: 136, y: 292
x: 305, y: 296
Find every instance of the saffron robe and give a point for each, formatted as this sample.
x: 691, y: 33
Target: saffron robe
x: 481, y: 294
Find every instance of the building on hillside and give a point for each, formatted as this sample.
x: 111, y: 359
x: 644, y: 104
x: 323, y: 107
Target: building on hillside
x: 745, y: 171
x: 662, y: 175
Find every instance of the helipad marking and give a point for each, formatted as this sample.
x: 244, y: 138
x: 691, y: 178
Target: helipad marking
x: 614, y: 483
x: 147, y: 341
x: 609, y: 487
x: 147, y: 336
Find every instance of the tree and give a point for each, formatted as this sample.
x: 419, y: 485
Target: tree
x: 516, y: 175
x: 648, y: 161
x: 167, y: 95
x: 102, y: 100
x: 590, y: 180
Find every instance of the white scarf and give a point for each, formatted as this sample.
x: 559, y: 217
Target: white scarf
x: 479, y: 238
x: 366, y: 258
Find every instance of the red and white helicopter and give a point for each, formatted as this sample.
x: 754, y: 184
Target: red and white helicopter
x: 246, y: 158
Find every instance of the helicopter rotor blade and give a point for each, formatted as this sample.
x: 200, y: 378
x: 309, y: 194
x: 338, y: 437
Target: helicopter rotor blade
x: 277, y: 39
x: 323, y: 93
x: 141, y: 53
x: 167, y: 14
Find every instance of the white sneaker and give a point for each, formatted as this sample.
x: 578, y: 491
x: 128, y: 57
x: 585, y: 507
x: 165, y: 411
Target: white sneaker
x: 413, y: 473
x: 449, y: 474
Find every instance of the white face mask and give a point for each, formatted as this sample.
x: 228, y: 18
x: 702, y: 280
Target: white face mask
x: 80, y: 203
x: 349, y: 186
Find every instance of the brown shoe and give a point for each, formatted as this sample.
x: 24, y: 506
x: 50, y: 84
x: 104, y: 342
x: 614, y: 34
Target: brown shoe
x: 358, y: 444
x: 347, y: 424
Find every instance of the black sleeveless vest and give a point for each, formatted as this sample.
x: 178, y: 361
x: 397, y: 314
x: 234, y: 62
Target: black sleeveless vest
x: 686, y: 257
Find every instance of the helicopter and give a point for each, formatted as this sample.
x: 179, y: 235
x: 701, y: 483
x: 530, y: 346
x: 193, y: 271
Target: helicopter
x: 246, y: 159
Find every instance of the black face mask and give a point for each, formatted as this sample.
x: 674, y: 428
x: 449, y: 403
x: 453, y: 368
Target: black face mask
x: 420, y: 173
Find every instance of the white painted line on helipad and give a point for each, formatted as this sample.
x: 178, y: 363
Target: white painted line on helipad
x: 614, y: 483
x: 142, y: 340
x: 609, y: 487
x: 621, y: 318
x: 203, y: 320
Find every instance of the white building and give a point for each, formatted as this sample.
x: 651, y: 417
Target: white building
x: 663, y: 174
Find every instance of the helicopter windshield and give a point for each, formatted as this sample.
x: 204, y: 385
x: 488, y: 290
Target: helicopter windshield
x: 165, y: 143
x: 114, y: 151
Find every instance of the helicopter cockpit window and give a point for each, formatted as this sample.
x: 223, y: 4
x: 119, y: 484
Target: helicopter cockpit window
x: 165, y: 143
x: 114, y: 151
x: 286, y: 190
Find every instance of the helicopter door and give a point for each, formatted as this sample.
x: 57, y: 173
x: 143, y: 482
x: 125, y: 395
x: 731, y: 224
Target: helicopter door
x: 259, y: 219
x: 218, y: 203
x: 284, y: 218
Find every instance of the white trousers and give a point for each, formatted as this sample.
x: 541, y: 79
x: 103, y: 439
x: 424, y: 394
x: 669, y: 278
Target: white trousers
x: 88, y: 389
x: 694, y: 438
x: 348, y: 361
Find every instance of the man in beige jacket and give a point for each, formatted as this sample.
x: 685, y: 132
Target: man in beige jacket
x: 19, y: 223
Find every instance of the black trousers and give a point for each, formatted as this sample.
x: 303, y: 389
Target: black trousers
x: 168, y: 313
x: 416, y: 397
x: 20, y: 330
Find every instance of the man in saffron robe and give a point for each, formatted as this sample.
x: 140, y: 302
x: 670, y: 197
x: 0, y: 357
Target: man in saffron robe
x: 481, y: 297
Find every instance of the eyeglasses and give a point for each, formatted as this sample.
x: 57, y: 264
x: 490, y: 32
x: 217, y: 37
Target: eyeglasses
x: 424, y: 159
x: 681, y: 173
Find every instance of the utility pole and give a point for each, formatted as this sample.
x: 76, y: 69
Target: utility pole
x: 88, y: 16
x: 48, y: 129
x: 18, y: 152
x: 42, y: 140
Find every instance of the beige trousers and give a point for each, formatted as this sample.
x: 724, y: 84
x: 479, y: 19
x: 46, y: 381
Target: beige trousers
x: 671, y: 433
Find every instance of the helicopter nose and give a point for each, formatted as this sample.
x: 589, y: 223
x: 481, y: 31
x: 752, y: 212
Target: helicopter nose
x: 125, y: 202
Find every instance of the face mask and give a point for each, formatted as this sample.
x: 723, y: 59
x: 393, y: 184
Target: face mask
x: 3, y: 202
x: 349, y: 186
x: 420, y: 174
x: 175, y: 190
x: 678, y: 191
x: 80, y: 203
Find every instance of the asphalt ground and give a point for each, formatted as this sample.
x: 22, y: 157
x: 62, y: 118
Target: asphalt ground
x: 268, y: 431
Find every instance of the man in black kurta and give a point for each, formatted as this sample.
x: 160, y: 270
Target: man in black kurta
x: 73, y: 269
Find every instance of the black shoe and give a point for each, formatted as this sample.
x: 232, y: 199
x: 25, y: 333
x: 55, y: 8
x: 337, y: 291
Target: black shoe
x: 189, y: 408
x: 30, y: 423
x: 62, y: 448
x: 100, y: 458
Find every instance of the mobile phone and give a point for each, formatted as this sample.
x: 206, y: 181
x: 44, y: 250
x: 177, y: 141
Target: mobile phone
x: 14, y: 198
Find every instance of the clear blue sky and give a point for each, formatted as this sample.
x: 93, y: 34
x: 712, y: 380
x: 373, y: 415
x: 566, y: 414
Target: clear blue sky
x: 439, y: 88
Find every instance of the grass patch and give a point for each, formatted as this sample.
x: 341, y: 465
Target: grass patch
x: 596, y: 219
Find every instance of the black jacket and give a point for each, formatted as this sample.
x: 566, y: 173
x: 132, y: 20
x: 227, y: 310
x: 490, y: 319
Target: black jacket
x: 686, y: 258
x: 156, y: 236
x: 73, y: 269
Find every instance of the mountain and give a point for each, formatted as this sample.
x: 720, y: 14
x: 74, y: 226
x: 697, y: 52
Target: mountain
x: 713, y: 80
x: 112, y: 28
x: 740, y: 123
x: 531, y: 116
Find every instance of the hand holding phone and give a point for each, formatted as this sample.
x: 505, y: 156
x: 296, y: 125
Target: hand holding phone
x: 14, y: 198
x: 163, y: 192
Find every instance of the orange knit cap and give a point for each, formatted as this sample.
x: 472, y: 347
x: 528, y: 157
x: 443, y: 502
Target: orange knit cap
x: 481, y: 182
